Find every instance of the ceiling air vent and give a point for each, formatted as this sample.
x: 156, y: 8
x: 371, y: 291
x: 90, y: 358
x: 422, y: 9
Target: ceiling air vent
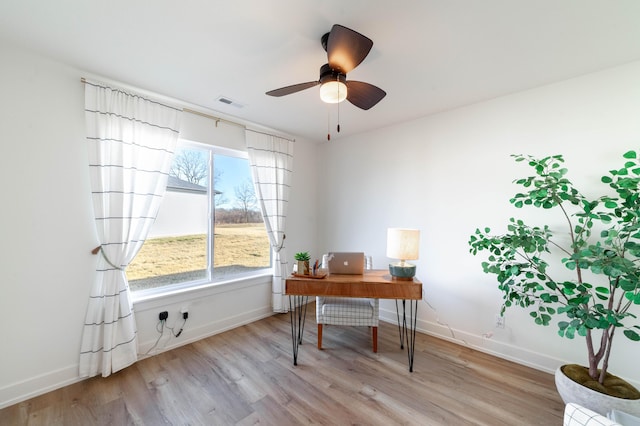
x: 228, y: 101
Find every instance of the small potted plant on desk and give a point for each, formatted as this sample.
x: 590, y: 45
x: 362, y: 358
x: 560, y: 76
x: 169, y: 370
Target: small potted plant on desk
x: 303, y: 262
x: 600, y: 289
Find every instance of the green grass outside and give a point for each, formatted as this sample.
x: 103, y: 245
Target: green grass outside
x: 240, y: 245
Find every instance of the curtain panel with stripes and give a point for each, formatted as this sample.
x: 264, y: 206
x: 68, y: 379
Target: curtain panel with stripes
x: 271, y: 161
x: 131, y: 140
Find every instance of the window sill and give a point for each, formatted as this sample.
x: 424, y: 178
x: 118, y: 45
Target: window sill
x: 155, y: 297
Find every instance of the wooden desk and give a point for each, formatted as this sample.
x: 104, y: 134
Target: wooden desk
x: 375, y: 284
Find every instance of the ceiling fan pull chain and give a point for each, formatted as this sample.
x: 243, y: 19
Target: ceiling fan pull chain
x: 338, y: 127
x: 328, y: 123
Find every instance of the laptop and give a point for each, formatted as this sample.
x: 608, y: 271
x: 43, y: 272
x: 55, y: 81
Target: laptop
x: 346, y: 263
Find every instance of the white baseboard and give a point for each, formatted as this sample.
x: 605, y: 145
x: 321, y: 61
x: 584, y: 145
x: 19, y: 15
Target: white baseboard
x: 15, y: 393
x: 487, y: 345
x: 210, y: 329
x: 38, y: 385
x: 481, y: 343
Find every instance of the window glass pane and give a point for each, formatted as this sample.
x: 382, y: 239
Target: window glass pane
x: 176, y: 248
x: 183, y: 245
x: 241, y: 242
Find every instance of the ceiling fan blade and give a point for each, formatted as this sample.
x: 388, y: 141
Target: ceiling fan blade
x: 346, y: 48
x: 292, y: 89
x: 364, y: 95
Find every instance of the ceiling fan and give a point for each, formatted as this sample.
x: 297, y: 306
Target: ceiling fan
x: 346, y: 49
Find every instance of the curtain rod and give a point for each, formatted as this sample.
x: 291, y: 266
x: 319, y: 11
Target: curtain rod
x: 217, y: 119
x: 213, y: 117
x: 269, y: 134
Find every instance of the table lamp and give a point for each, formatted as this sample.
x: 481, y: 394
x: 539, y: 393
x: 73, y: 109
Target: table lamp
x: 403, y: 244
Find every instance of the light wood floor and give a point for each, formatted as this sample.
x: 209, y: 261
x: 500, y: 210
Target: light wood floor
x: 246, y: 376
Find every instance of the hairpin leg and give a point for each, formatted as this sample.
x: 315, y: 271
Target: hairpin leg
x: 408, y: 335
x: 298, y: 315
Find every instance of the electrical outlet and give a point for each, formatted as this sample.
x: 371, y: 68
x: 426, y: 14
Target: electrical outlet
x: 499, y: 321
x: 163, y: 315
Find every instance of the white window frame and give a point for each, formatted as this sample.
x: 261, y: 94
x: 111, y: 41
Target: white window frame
x: 209, y: 281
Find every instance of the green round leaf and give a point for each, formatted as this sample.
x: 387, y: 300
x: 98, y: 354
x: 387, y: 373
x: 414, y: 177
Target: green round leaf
x: 632, y: 335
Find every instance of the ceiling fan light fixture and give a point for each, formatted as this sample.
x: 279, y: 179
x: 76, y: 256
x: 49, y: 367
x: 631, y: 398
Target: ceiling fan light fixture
x: 333, y: 92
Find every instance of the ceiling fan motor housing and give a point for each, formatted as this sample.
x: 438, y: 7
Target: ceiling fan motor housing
x: 324, y: 40
x: 329, y: 74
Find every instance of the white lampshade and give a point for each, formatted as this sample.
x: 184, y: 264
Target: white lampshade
x: 333, y: 92
x: 403, y: 244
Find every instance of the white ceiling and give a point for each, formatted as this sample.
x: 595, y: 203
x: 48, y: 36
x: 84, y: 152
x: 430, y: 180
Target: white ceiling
x: 429, y: 55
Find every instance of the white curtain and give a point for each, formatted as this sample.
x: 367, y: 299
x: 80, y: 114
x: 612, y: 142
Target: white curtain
x: 131, y: 141
x: 271, y: 160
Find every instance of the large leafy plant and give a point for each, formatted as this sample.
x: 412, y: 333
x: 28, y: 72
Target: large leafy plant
x: 601, y: 253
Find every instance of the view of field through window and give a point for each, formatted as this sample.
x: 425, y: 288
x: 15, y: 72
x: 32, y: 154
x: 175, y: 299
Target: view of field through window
x: 239, y: 248
x: 178, y: 249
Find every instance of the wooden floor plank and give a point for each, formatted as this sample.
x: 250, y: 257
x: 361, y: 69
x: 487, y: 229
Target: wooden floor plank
x: 246, y: 376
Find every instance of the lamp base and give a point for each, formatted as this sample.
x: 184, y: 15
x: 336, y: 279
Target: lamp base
x: 402, y: 272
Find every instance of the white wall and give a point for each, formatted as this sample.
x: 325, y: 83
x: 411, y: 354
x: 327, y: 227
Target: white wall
x: 45, y: 220
x: 47, y: 233
x: 450, y: 173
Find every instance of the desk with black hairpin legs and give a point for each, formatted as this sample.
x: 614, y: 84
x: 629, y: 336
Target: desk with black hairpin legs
x: 375, y: 284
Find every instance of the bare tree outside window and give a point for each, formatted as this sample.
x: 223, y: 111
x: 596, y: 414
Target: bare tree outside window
x: 219, y: 198
x: 190, y: 166
x: 245, y: 199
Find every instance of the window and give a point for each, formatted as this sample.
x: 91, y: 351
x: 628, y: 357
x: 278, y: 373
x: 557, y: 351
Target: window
x: 203, y: 235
